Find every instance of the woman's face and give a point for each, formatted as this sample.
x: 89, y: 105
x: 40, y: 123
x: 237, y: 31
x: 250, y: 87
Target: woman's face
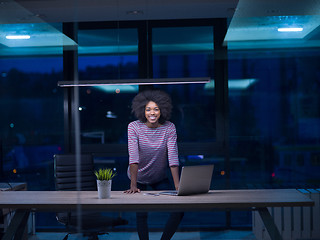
x: 152, y: 113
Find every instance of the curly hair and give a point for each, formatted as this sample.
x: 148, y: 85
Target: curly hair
x: 161, y: 98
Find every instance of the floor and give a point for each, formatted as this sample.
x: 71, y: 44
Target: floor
x: 229, y: 234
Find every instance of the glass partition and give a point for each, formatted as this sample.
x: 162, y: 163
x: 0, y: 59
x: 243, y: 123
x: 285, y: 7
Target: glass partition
x: 273, y: 100
x: 273, y: 109
x: 31, y: 106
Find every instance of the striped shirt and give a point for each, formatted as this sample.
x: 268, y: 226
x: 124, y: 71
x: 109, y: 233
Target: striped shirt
x: 152, y: 149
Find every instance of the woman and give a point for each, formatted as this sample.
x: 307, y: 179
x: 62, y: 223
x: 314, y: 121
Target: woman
x: 152, y: 143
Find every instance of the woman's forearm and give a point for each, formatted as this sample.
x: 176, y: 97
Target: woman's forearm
x: 175, y: 176
x: 134, y: 174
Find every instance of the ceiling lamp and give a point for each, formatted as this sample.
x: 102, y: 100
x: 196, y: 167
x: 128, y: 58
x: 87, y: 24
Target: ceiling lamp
x: 147, y: 81
x: 290, y: 29
x: 14, y: 37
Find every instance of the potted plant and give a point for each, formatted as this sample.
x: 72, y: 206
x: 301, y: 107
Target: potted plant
x: 104, y: 181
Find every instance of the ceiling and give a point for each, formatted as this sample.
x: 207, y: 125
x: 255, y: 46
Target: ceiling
x: 24, y: 11
x: 41, y: 18
x: 253, y: 23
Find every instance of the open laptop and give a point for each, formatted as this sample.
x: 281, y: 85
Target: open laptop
x: 193, y: 180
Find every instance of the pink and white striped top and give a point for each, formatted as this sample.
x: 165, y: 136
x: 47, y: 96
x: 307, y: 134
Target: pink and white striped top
x: 152, y: 149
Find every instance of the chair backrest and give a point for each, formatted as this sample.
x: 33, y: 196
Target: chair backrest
x: 66, y: 174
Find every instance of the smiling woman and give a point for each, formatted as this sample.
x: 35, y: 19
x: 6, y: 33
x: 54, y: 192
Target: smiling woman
x: 149, y: 103
x: 152, y: 114
x: 152, y: 145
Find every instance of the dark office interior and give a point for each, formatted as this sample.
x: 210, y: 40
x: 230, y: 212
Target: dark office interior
x: 257, y: 119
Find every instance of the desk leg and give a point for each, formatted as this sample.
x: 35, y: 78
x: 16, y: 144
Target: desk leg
x: 269, y: 224
x: 17, y: 226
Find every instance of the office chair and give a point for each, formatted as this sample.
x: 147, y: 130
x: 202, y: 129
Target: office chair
x: 93, y: 223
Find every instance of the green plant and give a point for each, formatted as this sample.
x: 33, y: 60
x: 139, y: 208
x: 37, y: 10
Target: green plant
x: 105, y: 174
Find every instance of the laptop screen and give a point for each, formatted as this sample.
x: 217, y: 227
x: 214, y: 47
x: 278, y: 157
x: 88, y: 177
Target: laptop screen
x: 195, y: 179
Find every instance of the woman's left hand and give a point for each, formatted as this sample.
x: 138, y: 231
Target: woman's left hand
x: 132, y: 190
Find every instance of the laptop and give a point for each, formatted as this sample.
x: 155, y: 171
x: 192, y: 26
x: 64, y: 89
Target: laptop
x: 193, y: 180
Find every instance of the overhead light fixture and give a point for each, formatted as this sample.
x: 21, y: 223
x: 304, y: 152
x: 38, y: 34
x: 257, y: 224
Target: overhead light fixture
x: 147, y: 81
x: 17, y: 37
x: 290, y: 29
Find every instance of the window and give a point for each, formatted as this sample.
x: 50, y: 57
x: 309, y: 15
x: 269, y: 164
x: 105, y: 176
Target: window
x: 187, y: 52
x: 275, y: 114
x: 31, y: 123
x: 105, y: 110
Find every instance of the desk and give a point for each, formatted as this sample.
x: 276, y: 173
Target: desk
x: 6, y: 214
x: 257, y: 199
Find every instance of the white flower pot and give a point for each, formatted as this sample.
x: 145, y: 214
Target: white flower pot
x: 104, y: 188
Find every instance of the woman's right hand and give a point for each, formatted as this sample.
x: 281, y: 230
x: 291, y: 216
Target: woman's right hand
x: 133, y: 184
x: 132, y: 190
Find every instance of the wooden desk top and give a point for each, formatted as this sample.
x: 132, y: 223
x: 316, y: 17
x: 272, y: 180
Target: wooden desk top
x: 233, y: 199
